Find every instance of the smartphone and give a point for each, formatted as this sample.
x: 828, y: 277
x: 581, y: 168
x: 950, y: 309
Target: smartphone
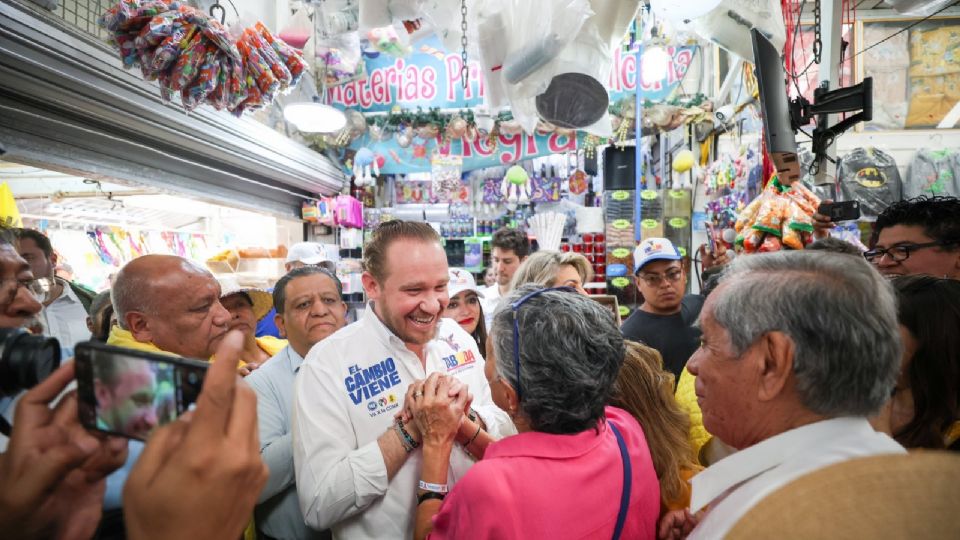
x: 711, y: 237
x: 840, y: 210
x: 131, y: 393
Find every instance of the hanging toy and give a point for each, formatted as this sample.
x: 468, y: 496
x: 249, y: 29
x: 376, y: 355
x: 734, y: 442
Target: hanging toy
x: 516, y: 186
x: 363, y: 162
x: 683, y: 163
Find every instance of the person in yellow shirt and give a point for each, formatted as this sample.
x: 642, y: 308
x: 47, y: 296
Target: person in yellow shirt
x: 247, y: 305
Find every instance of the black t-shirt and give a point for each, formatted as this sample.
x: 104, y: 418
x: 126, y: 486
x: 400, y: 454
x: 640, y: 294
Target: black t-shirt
x: 674, y: 336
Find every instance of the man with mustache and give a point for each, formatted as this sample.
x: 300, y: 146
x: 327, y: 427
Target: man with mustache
x: 357, y: 464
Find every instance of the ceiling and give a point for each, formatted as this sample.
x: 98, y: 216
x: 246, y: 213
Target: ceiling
x: 77, y: 202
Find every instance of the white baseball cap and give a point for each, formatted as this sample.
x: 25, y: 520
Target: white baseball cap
x: 461, y: 280
x: 654, y: 249
x: 310, y: 253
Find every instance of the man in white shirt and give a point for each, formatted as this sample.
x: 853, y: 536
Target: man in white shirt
x: 64, y: 312
x: 508, y: 249
x: 356, y: 467
x: 799, y: 348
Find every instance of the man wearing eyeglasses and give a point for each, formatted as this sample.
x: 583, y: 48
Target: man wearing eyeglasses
x: 918, y: 236
x: 665, y: 319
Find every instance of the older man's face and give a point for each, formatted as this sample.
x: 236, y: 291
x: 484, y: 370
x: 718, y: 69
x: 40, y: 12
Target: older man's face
x: 726, y: 385
x: 188, y: 318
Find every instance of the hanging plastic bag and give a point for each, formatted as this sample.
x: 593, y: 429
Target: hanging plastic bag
x: 298, y: 31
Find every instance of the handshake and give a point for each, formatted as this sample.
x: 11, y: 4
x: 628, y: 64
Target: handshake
x: 436, y: 412
x: 198, y: 477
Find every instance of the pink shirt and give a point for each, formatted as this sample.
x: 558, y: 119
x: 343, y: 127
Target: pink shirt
x: 540, y: 485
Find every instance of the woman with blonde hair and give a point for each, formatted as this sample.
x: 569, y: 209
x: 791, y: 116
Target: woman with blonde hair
x: 554, y: 269
x: 645, y: 390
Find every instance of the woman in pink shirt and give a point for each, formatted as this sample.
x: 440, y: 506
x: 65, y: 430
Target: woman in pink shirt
x: 577, y: 469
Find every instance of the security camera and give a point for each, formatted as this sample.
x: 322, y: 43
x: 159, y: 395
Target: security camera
x: 724, y: 115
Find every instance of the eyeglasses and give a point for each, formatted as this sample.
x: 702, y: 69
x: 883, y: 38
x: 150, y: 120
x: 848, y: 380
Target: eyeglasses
x: 654, y: 280
x: 901, y: 252
x: 515, y: 308
x: 39, y: 289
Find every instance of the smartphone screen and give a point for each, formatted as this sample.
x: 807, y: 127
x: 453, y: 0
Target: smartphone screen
x: 131, y: 393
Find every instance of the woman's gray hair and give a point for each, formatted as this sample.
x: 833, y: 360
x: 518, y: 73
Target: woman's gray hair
x: 541, y: 268
x: 840, y: 313
x: 570, y: 354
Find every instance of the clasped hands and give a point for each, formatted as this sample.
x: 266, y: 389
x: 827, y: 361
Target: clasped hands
x: 435, y: 409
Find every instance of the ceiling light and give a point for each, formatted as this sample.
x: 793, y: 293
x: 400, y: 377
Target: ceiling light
x: 314, y: 117
x: 654, y: 64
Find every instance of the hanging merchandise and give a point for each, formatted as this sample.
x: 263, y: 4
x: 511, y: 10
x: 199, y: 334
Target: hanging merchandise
x: 933, y: 172
x: 298, y: 30
x: 445, y: 173
x: 870, y: 176
x: 349, y: 212
x: 339, y: 59
x: 547, y: 227
x: 9, y: 213
x: 515, y: 186
x: 190, y: 53
x: 577, y: 183
x: 780, y: 218
x: 363, y: 162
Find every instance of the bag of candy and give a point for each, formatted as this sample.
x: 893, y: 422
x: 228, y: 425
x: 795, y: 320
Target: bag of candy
x: 772, y: 215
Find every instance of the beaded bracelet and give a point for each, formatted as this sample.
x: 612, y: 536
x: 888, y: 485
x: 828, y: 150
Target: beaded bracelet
x: 409, y: 443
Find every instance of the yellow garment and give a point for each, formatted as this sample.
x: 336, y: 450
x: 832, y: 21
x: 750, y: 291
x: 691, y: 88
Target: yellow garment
x: 271, y: 345
x: 686, y: 396
x: 123, y: 338
x: 9, y: 213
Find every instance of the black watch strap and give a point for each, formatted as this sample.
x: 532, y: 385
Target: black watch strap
x: 427, y: 495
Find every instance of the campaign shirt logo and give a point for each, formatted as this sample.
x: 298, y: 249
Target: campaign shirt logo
x: 382, y: 405
x: 451, y: 342
x: 366, y: 383
x: 460, y: 360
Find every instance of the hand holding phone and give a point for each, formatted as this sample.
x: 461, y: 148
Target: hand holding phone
x: 201, y: 478
x: 130, y: 393
x: 840, y: 210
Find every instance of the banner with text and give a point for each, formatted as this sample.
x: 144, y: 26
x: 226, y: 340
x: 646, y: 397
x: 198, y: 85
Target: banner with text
x: 430, y: 77
x: 478, y: 154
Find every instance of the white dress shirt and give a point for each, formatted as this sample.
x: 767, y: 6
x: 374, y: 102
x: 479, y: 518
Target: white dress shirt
x: 66, y: 319
x: 735, y: 484
x: 489, y: 303
x: 278, y: 510
x: 347, y: 392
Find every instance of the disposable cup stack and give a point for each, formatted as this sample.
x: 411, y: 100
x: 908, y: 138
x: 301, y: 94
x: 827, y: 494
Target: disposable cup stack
x: 548, y: 229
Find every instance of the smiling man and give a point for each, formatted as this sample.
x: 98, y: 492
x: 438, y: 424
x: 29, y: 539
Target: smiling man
x: 356, y: 466
x: 665, y: 319
x: 918, y: 236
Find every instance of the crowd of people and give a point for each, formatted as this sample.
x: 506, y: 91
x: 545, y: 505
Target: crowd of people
x: 519, y: 409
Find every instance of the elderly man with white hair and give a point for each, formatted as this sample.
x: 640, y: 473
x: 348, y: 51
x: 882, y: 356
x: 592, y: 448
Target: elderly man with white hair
x: 799, y: 348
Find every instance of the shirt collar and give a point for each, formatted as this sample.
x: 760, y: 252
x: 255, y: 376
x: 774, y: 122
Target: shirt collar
x: 294, y: 360
x: 547, y: 445
x: 67, y: 295
x: 383, y: 333
x: 737, y: 468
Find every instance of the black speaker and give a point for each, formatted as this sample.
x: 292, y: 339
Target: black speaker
x: 590, y: 164
x: 620, y: 168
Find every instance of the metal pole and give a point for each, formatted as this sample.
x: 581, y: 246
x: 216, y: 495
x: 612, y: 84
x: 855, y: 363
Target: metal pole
x: 831, y: 30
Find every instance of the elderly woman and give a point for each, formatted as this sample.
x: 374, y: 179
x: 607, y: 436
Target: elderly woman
x: 924, y: 411
x: 577, y: 469
x: 554, y: 269
x: 247, y: 305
